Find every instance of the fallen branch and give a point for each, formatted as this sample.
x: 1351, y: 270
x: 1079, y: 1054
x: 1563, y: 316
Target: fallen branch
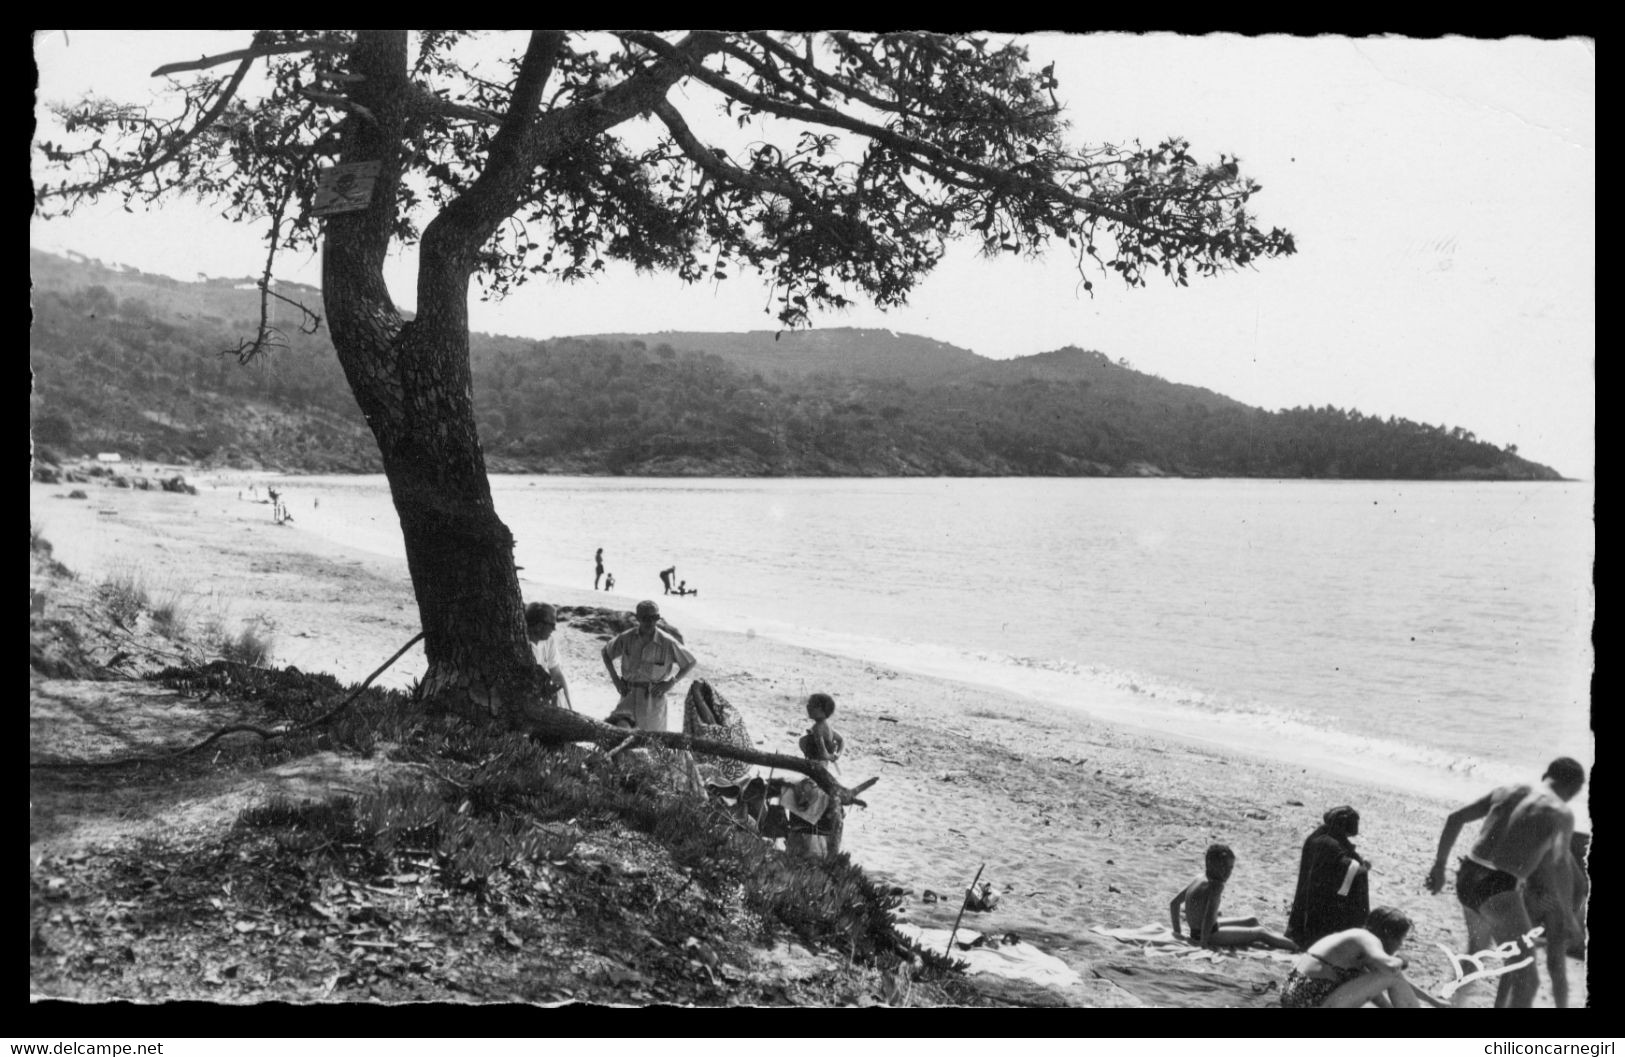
x: 556, y: 725
x: 238, y: 728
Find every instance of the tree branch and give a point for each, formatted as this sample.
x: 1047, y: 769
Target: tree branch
x: 338, y: 102
x: 248, y: 55
x: 468, y: 220
x: 717, y: 167
x: 915, y: 150
x: 427, y: 103
x: 635, y: 95
x: 93, y: 188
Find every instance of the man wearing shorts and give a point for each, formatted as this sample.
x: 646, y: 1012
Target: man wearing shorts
x: 1526, y: 828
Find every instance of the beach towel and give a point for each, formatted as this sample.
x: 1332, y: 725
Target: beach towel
x: 707, y: 714
x: 1014, y: 961
x: 1170, y: 985
x: 1160, y: 941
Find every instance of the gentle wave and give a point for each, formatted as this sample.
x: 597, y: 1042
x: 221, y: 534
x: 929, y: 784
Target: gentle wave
x: 1144, y: 701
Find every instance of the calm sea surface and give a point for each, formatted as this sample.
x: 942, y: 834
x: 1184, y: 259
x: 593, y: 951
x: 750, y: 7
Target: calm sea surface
x: 1425, y: 633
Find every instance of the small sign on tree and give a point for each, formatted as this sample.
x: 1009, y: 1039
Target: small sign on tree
x: 344, y: 188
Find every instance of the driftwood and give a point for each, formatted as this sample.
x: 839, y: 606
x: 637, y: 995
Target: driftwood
x: 558, y: 726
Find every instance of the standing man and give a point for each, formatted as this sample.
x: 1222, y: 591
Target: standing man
x: 1526, y: 828
x: 540, y: 620
x: 667, y: 578
x: 648, y: 655
x: 598, y: 570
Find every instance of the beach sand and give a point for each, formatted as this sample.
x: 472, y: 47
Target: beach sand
x: 1079, y: 824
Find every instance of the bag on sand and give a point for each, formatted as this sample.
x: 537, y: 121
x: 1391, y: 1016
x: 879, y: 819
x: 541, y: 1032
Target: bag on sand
x: 707, y: 714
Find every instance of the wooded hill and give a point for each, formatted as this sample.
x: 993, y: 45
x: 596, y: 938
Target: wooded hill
x: 130, y: 362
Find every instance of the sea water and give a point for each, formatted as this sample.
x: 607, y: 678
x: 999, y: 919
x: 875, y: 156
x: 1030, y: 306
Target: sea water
x: 1430, y: 635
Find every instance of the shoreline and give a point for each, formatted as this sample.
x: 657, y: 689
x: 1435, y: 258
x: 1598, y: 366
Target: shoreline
x: 1080, y: 822
x: 1124, y: 684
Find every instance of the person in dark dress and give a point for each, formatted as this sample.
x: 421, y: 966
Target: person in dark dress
x: 598, y: 568
x: 1333, y: 893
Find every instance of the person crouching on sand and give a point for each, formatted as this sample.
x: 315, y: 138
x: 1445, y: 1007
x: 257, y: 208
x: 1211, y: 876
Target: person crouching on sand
x: 1201, y: 900
x: 1347, y: 969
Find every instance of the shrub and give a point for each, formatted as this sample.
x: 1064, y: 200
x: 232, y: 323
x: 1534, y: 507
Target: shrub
x: 124, y: 595
x: 171, y: 612
x: 37, y: 543
x: 251, y: 646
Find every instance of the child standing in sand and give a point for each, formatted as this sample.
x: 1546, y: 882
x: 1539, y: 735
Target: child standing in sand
x: 1201, y: 902
x: 821, y: 742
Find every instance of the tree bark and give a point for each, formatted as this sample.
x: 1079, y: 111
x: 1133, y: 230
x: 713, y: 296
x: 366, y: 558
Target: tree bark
x: 412, y: 382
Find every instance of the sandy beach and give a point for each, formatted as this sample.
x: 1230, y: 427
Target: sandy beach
x: 1080, y: 825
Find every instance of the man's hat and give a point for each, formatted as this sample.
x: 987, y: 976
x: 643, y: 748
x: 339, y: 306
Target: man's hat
x: 647, y: 608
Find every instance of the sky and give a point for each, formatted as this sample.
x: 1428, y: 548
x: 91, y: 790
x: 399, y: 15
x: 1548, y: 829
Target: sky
x: 1442, y: 194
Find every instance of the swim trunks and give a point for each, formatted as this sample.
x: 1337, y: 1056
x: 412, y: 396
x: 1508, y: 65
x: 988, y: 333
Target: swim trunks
x: 1309, y: 992
x: 1476, y: 882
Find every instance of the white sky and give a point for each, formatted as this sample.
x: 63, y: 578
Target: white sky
x: 1442, y: 193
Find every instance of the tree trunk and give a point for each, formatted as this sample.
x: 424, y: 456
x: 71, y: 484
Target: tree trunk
x: 459, y: 552
x: 413, y: 384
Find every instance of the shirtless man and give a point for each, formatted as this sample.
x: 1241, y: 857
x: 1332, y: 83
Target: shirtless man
x: 1526, y: 828
x: 1545, y: 901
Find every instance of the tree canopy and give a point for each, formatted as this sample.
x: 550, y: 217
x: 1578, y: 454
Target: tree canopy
x: 882, y: 148
x: 836, y: 164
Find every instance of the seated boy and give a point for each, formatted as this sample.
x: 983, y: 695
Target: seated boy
x: 1201, y: 901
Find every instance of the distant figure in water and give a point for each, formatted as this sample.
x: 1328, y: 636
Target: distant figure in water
x: 1201, y: 900
x: 609, y: 581
x: 279, y: 512
x: 598, y: 568
x: 666, y: 578
x: 682, y: 589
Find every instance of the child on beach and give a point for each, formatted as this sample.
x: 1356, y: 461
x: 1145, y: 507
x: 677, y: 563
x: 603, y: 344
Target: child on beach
x: 1201, y: 902
x: 821, y: 742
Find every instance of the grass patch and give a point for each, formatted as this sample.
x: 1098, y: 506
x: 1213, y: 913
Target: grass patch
x: 250, y: 646
x: 37, y: 543
x: 125, y: 595
x: 171, y: 612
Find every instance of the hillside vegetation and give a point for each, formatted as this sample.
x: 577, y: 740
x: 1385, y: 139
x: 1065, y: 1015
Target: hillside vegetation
x: 140, y: 364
